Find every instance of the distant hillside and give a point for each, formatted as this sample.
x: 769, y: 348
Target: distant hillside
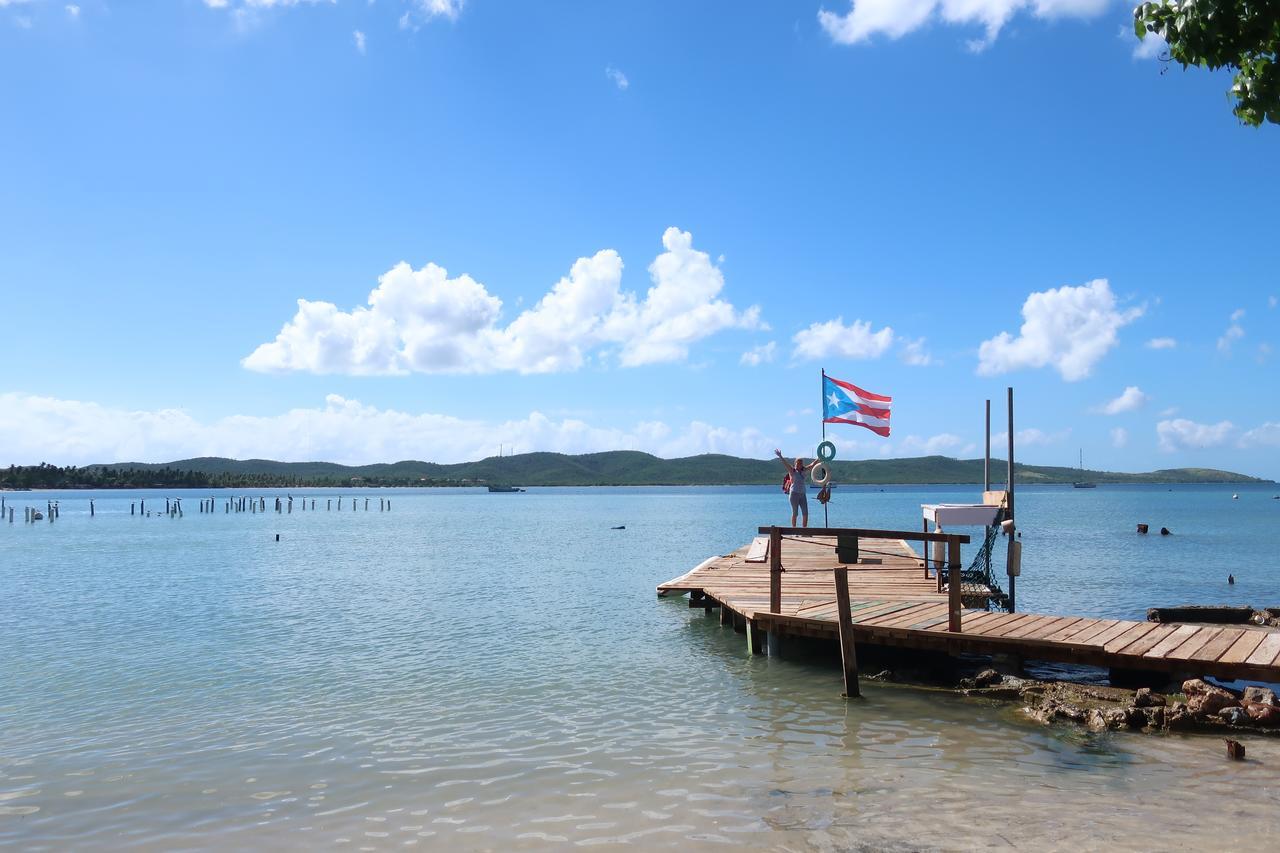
x: 614, y: 468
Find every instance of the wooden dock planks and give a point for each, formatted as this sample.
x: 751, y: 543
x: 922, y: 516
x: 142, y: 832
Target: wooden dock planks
x: 892, y: 601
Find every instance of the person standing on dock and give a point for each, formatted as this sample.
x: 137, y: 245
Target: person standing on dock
x: 797, y: 488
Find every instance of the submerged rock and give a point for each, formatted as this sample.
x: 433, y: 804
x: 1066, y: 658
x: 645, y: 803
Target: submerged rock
x: 986, y: 678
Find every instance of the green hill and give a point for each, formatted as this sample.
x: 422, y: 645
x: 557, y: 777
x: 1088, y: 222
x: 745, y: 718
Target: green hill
x: 620, y: 467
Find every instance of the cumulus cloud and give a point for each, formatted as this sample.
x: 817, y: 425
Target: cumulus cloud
x: 617, y: 77
x: 1161, y: 343
x: 915, y: 354
x: 73, y: 11
x: 1131, y: 399
x: 1031, y: 437
x: 1233, y: 333
x: 1119, y: 437
x: 934, y: 445
x: 45, y: 429
x: 1267, y: 435
x: 896, y: 18
x: 1151, y: 47
x: 1069, y: 328
x: 424, y: 321
x: 834, y: 338
x: 1183, y: 434
x: 358, y: 37
x: 760, y: 355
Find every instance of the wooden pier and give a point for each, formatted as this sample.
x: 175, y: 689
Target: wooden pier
x: 896, y: 599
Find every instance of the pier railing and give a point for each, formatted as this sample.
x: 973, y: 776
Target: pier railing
x: 847, y: 539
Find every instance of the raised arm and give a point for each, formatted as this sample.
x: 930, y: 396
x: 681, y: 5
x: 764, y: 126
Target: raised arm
x: 784, y: 462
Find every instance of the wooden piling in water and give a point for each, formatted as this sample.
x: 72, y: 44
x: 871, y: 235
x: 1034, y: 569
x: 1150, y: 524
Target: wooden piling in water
x: 775, y: 570
x: 848, y: 652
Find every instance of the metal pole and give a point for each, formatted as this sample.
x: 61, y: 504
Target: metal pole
x: 986, y: 461
x: 1013, y: 581
x: 822, y: 410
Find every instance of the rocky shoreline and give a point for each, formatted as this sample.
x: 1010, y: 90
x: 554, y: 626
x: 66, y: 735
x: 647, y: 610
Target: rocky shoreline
x: 1194, y: 706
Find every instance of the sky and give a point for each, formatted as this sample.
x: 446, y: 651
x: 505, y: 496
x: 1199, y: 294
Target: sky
x: 373, y: 230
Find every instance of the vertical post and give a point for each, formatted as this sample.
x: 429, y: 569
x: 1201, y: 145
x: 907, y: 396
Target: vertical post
x: 986, y: 460
x: 755, y: 643
x: 775, y: 570
x: 1013, y: 581
x: 848, y: 653
x: 954, y: 603
x: 924, y: 546
x: 822, y: 410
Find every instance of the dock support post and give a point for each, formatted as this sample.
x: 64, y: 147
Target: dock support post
x: 775, y: 570
x: 924, y: 547
x: 726, y: 616
x: 954, y: 604
x: 754, y: 644
x: 848, y: 654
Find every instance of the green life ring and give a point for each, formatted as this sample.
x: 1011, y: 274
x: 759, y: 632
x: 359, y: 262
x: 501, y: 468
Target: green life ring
x: 826, y: 451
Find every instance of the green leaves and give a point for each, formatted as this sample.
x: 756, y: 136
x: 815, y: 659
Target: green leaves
x: 1216, y: 34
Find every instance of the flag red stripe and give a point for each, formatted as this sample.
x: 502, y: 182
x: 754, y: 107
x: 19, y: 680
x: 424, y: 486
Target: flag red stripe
x: 878, y: 430
x: 866, y: 395
x: 883, y: 414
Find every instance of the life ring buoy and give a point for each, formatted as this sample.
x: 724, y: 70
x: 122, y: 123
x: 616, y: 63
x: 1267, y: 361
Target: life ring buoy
x: 821, y: 474
x: 826, y: 451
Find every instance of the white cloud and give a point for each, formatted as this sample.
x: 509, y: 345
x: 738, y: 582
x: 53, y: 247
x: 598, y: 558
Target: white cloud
x: 617, y: 77
x: 1264, y: 352
x: 358, y: 38
x: 834, y: 338
x: 1131, y: 399
x: 760, y: 355
x: 1030, y: 437
x: 67, y: 432
x: 1183, y: 434
x: 1233, y: 333
x: 1169, y: 412
x: 935, y: 445
x: 1151, y: 47
x: 1070, y: 328
x: 423, y: 321
x: 1267, y: 435
x: 1119, y: 437
x: 73, y: 11
x: 896, y: 18
x: 791, y: 429
x: 1272, y: 301
x: 1161, y: 343
x: 915, y: 354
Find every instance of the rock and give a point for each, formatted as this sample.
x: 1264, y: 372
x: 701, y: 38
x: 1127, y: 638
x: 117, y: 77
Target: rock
x: 1014, y: 682
x: 1263, y: 715
x: 1134, y: 718
x: 1178, y: 718
x: 1069, y: 712
x: 1234, y: 716
x: 1155, y: 717
x: 882, y: 675
x: 1261, y: 696
x: 986, y: 678
x: 1144, y: 698
x: 1235, y: 750
x: 967, y: 684
x: 999, y: 692
x: 1096, y: 721
x: 1206, y: 700
x: 1116, y: 718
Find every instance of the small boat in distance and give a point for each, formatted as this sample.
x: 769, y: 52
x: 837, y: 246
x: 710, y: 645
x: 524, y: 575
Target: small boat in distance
x: 494, y: 488
x: 1082, y: 483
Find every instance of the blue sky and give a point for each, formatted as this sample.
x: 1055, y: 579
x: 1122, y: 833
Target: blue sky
x: 625, y: 225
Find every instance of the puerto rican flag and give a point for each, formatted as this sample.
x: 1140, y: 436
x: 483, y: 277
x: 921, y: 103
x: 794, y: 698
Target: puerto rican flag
x: 846, y: 403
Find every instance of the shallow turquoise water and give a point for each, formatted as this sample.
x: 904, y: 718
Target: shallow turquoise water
x: 494, y: 671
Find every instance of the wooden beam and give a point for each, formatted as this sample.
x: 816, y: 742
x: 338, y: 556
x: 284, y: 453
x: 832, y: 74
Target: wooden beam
x: 848, y: 653
x: 953, y: 587
x: 909, y: 535
x: 775, y: 569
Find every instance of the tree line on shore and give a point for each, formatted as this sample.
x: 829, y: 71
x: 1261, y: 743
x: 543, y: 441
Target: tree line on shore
x: 45, y: 476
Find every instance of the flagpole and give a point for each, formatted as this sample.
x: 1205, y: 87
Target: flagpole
x: 822, y: 411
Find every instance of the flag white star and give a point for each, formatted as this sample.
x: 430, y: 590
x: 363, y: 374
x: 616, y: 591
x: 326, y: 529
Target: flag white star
x: 834, y: 398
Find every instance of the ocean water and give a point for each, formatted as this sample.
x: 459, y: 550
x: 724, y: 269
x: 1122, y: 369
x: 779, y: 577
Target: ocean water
x: 478, y: 672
